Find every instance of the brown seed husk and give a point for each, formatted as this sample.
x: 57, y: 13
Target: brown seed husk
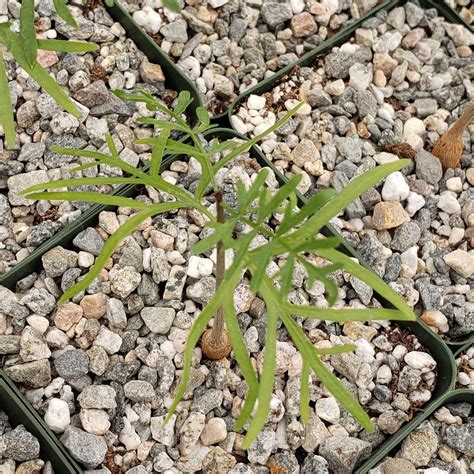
x: 215, y: 350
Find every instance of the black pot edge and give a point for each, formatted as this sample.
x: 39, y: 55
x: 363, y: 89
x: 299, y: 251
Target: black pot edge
x: 19, y: 411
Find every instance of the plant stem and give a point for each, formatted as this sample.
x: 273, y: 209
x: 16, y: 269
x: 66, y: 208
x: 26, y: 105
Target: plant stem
x: 218, y: 326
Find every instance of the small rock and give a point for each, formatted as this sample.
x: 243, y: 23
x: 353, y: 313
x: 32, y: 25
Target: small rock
x: 461, y: 262
x: 20, y: 445
x: 158, y: 320
x: 343, y: 453
x: 420, y: 445
x: 97, y: 396
x: 388, y: 215
x: 214, y: 431
x: 139, y: 391
x: 428, y: 167
x: 328, y: 409
x: 57, y: 415
x: 72, y: 364
x: 84, y: 447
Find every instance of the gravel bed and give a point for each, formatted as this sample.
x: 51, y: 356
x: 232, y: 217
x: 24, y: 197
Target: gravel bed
x: 443, y: 444
x: 88, y: 78
x: 227, y: 46
x: 102, y: 369
x: 404, y: 78
x: 20, y: 450
x: 464, y: 7
x: 465, y: 364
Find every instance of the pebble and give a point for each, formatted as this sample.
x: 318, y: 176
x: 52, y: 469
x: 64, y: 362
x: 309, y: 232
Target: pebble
x: 214, y: 431
x: 57, y: 415
x: 88, y: 449
x: 461, y: 262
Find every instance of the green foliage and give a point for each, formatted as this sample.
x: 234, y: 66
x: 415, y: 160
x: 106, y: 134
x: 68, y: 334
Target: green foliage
x: 296, y: 238
x: 23, y: 46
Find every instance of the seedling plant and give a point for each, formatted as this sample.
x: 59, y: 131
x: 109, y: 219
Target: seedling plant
x: 296, y: 238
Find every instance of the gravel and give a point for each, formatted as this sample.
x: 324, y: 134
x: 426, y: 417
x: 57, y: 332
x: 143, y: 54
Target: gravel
x: 117, y: 373
x: 227, y: 46
x: 465, y: 365
x: 442, y: 443
x: 88, y: 79
x: 19, y: 449
x: 380, y: 96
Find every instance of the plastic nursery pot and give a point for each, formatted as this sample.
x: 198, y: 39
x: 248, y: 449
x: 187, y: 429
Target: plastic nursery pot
x: 340, y: 37
x: 465, y: 347
x: 455, y: 396
x: 20, y: 412
x: 174, y: 78
x: 436, y: 346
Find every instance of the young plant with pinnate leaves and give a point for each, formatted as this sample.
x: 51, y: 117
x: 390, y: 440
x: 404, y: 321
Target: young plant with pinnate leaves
x: 296, y: 237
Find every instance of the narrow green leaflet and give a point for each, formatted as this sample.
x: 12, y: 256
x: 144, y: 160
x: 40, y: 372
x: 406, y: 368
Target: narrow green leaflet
x: 172, y: 5
x: 320, y: 274
x: 6, y: 108
x: 328, y: 379
x: 304, y: 392
x: 371, y: 279
x: 69, y: 183
x: 204, y: 117
x: 182, y: 102
x: 328, y: 314
x: 40, y: 75
x: 266, y: 378
x: 66, y: 46
x: 286, y: 275
x: 283, y: 193
x: 97, y: 198
x: 158, y: 152
x: 28, y: 31
x: 63, y: 11
x: 242, y: 358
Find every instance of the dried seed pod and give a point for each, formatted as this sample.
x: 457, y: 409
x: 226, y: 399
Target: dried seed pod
x: 215, y: 349
x: 450, y: 145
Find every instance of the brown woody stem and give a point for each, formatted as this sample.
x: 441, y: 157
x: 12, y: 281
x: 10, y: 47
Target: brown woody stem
x: 218, y: 327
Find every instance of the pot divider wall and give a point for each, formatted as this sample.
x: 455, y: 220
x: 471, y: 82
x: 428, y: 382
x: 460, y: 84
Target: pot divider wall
x: 438, y: 349
x: 454, y: 396
x: 20, y: 412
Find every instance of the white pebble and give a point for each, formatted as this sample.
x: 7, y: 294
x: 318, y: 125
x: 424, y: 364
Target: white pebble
x: 420, y: 360
x: 414, y: 203
x: 448, y: 202
x: 395, y: 187
x: 454, y: 184
x: 199, y: 267
x: 256, y: 102
x: 57, y: 415
x: 365, y: 350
